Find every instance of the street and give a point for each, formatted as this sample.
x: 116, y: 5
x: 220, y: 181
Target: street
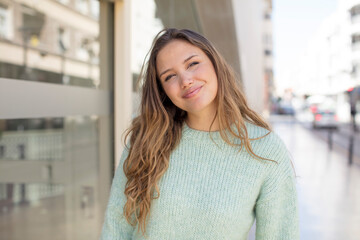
x: 328, y: 188
x: 340, y: 137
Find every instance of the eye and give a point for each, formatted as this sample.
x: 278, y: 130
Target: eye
x: 193, y: 64
x: 169, y: 77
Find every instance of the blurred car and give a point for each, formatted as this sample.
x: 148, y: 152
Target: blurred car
x: 325, y: 119
x: 286, y: 109
x: 323, y: 110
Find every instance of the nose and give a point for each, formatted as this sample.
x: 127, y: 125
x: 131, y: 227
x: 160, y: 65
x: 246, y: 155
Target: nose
x: 186, y: 80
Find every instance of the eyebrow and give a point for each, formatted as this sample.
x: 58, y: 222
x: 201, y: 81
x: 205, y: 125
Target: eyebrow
x: 187, y: 59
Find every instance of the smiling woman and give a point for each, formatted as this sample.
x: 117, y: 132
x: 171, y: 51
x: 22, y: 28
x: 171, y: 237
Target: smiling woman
x: 189, y: 81
x: 200, y: 164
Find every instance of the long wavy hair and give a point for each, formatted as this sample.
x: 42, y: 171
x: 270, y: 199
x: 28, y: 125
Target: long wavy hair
x: 156, y: 132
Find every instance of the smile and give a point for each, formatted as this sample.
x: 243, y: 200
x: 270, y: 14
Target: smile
x: 192, y: 92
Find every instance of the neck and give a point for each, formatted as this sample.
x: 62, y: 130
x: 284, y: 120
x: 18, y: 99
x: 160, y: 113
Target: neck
x: 202, y: 123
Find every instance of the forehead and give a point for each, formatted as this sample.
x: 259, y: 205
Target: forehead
x: 176, y: 52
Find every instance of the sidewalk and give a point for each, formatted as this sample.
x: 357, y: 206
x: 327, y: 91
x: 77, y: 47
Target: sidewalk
x: 347, y: 130
x: 328, y: 189
x: 340, y: 138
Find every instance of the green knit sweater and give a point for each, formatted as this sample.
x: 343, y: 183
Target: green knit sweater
x: 212, y: 191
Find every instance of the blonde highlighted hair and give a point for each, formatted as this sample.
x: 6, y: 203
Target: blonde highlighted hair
x: 157, y: 130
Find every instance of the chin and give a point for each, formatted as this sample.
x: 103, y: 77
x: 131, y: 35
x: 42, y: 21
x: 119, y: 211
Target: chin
x: 196, y: 109
x: 196, y: 106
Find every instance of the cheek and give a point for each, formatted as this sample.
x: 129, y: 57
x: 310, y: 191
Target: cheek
x: 214, y: 85
x: 170, y: 91
x: 209, y: 74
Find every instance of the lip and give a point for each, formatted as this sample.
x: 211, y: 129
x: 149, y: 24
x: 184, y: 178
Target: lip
x: 191, y: 92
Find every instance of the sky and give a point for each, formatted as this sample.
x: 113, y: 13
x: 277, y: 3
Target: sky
x: 295, y: 22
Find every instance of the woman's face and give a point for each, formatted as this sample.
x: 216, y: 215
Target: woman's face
x: 188, y: 77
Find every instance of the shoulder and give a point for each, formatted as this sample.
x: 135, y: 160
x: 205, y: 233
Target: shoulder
x: 262, y: 136
x: 255, y: 131
x: 267, y: 143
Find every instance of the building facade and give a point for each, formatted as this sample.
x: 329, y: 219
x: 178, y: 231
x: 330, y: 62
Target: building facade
x: 269, y: 86
x: 330, y: 65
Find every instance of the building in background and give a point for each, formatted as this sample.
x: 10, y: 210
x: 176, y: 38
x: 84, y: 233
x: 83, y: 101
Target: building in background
x: 326, y: 66
x: 354, y: 90
x: 353, y: 9
x: 330, y: 66
x: 269, y: 87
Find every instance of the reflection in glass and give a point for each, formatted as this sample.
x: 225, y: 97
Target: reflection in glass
x: 49, y: 188
x: 32, y: 139
x: 33, y: 210
x: 37, y: 45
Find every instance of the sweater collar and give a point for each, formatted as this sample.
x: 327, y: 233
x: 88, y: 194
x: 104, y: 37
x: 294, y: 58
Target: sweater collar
x: 200, y: 135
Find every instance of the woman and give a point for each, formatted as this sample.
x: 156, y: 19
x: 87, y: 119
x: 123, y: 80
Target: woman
x: 200, y: 164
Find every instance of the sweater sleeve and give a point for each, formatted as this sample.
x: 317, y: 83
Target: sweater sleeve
x: 276, y: 208
x: 115, y: 225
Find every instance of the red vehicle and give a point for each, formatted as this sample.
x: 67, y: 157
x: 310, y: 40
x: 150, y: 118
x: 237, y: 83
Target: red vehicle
x: 325, y: 119
x: 323, y: 110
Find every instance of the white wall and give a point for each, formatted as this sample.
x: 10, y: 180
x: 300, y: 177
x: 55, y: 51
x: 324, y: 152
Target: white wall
x: 249, y: 30
x: 123, y: 78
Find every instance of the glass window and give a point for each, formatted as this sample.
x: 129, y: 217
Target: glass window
x: 63, y: 40
x: 355, y: 14
x: 267, y: 52
x: 355, y: 11
x: 94, y: 9
x: 46, y: 47
x: 51, y: 178
x: 355, y: 40
x: 5, y: 22
x: 82, y: 6
x: 65, y: 2
x: 54, y: 170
